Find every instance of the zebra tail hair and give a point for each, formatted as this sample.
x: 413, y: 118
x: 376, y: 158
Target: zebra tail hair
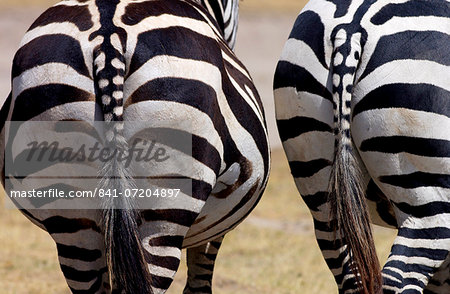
x: 120, y: 216
x: 347, y: 194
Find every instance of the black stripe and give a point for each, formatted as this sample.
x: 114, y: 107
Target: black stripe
x: 200, y: 189
x: 296, y: 126
x: 335, y: 263
x: 388, y: 281
x: 247, y: 118
x: 190, y: 92
x: 324, y: 226
x: 316, y: 200
x: 168, y: 262
x: 411, y: 8
x: 428, y: 233
x: 57, y: 48
x: 243, y: 81
x: 425, y: 210
x: 137, y: 12
x: 305, y: 169
x: 350, y: 283
x: 218, y: 14
x: 208, y: 267
x: 77, y: 14
x: 393, y: 274
x: 329, y: 245
x: 246, y: 198
x: 177, y: 216
x: 80, y: 276
x: 189, y: 45
x: 422, y: 97
x: 164, y: 241
x: 77, y: 253
x: 197, y: 147
x: 161, y: 282
x: 416, y: 180
x: 409, y: 268
x: 5, y: 111
x: 59, y: 224
x: 211, y: 257
x: 397, y: 144
x: 313, y: 38
x: 35, y: 101
x: 341, y: 7
x: 416, y: 45
x: 291, y: 75
x: 433, y: 254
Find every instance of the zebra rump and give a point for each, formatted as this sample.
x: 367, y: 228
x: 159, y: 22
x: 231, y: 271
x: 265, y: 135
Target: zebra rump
x: 120, y: 216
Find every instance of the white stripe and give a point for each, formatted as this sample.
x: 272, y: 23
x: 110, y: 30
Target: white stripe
x: 229, y: 59
x: 308, y: 61
x: 157, y: 112
x: 423, y: 243
x: 161, y: 271
x: 115, y: 42
x: 161, y: 250
x: 315, y: 145
x: 399, y: 71
x: 407, y: 122
x: 290, y: 103
x: 51, y: 73
x: 66, y: 28
x: 250, y: 102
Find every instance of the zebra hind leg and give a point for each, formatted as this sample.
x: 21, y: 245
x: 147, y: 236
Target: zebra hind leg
x: 417, y: 257
x: 82, y: 258
x: 200, y: 261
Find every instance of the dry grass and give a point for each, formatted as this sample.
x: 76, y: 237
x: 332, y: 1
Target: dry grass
x: 274, y: 251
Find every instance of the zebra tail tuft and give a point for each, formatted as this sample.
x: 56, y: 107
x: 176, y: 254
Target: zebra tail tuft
x: 347, y: 194
x: 120, y: 217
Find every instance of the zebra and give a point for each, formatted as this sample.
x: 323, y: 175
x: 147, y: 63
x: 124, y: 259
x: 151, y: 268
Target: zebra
x: 168, y: 63
x: 362, y: 98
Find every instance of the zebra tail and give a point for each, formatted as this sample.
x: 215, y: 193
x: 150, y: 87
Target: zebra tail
x: 347, y: 194
x: 120, y: 216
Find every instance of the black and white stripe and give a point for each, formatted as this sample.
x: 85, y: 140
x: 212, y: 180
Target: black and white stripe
x: 168, y: 63
x: 362, y: 94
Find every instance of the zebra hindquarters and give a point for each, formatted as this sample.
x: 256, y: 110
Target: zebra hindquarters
x: 401, y: 130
